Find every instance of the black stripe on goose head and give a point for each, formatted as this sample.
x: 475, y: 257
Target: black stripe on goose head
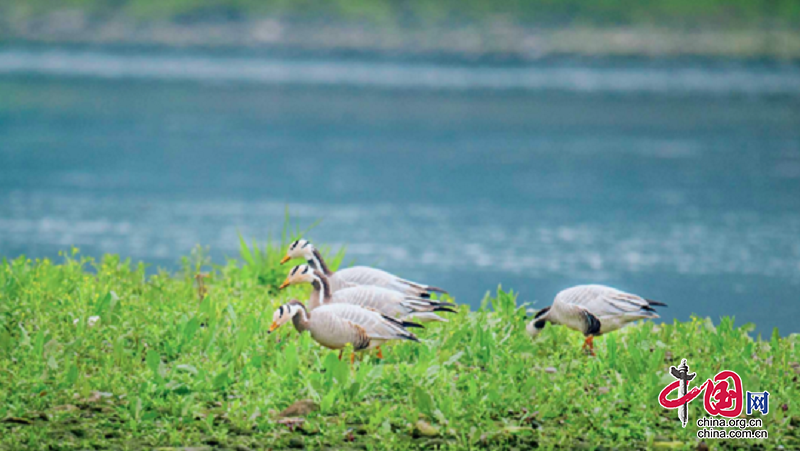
x: 294, y: 245
x: 294, y: 270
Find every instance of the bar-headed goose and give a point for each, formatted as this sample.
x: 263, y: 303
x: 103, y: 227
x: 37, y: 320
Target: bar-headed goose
x: 336, y: 325
x: 593, y: 310
x: 385, y: 301
x: 358, y: 275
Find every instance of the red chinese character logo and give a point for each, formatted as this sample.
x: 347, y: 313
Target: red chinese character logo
x: 718, y: 399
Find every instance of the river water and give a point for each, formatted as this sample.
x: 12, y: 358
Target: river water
x: 678, y: 180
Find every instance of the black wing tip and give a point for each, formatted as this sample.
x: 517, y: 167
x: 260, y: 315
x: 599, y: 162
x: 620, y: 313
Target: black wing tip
x: 440, y: 303
x: 401, y: 323
x: 656, y: 303
x: 445, y: 309
x: 411, y: 337
x: 392, y: 320
x: 412, y: 324
x: 432, y: 303
x: 436, y: 290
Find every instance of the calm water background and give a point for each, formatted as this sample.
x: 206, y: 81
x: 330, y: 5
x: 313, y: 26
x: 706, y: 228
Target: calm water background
x: 677, y: 180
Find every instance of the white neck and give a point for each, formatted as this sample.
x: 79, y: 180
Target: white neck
x: 293, y: 310
x: 323, y: 289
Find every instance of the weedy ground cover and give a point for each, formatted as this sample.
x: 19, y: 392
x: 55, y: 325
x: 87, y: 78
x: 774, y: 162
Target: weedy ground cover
x: 101, y: 355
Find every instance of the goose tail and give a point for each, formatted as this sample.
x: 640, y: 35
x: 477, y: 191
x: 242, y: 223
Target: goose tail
x: 427, y: 317
x: 401, y: 322
x: 433, y: 289
x: 400, y: 325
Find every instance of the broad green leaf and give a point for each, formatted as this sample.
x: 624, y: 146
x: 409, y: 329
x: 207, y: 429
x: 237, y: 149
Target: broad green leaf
x: 153, y: 361
x: 454, y: 358
x: 244, y: 250
x: 423, y: 400
x: 71, y: 376
x: 220, y: 380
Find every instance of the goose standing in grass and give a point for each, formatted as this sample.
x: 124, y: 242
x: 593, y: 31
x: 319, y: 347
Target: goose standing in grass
x: 337, y: 325
x: 385, y: 301
x: 593, y: 310
x: 358, y: 275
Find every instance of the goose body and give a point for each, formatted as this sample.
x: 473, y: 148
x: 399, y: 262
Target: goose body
x: 334, y: 326
x: 364, y: 275
x: 388, y: 302
x: 357, y: 275
x: 593, y: 310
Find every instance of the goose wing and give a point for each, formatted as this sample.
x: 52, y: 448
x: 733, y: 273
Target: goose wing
x: 603, y: 302
x: 347, y: 323
x: 363, y: 275
x: 385, y: 301
x: 389, y: 302
x: 337, y: 283
x: 331, y: 330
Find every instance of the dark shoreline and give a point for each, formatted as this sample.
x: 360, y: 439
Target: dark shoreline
x: 506, y: 43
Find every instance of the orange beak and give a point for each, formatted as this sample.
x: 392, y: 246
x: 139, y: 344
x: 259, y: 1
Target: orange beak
x: 273, y: 326
x: 285, y: 284
x: 285, y: 259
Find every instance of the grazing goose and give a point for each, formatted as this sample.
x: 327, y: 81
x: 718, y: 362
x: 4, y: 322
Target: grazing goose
x: 336, y: 325
x: 593, y: 310
x: 358, y: 275
x: 385, y: 301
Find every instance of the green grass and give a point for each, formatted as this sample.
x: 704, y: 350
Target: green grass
x: 164, y: 368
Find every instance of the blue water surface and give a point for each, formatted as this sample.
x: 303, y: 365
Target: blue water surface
x: 676, y: 180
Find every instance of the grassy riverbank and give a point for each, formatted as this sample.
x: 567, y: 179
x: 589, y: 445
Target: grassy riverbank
x: 530, y: 29
x: 176, y: 360
x: 693, y: 13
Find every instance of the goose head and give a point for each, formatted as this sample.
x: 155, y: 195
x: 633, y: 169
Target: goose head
x: 299, y: 249
x: 539, y: 321
x: 285, y: 313
x: 299, y: 274
x: 534, y: 327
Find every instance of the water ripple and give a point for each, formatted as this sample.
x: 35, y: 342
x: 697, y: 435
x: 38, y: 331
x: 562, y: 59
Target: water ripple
x: 674, y: 79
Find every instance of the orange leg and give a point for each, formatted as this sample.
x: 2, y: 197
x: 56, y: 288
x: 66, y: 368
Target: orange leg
x: 380, y: 352
x: 352, y: 358
x: 589, y: 344
x: 340, y: 353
